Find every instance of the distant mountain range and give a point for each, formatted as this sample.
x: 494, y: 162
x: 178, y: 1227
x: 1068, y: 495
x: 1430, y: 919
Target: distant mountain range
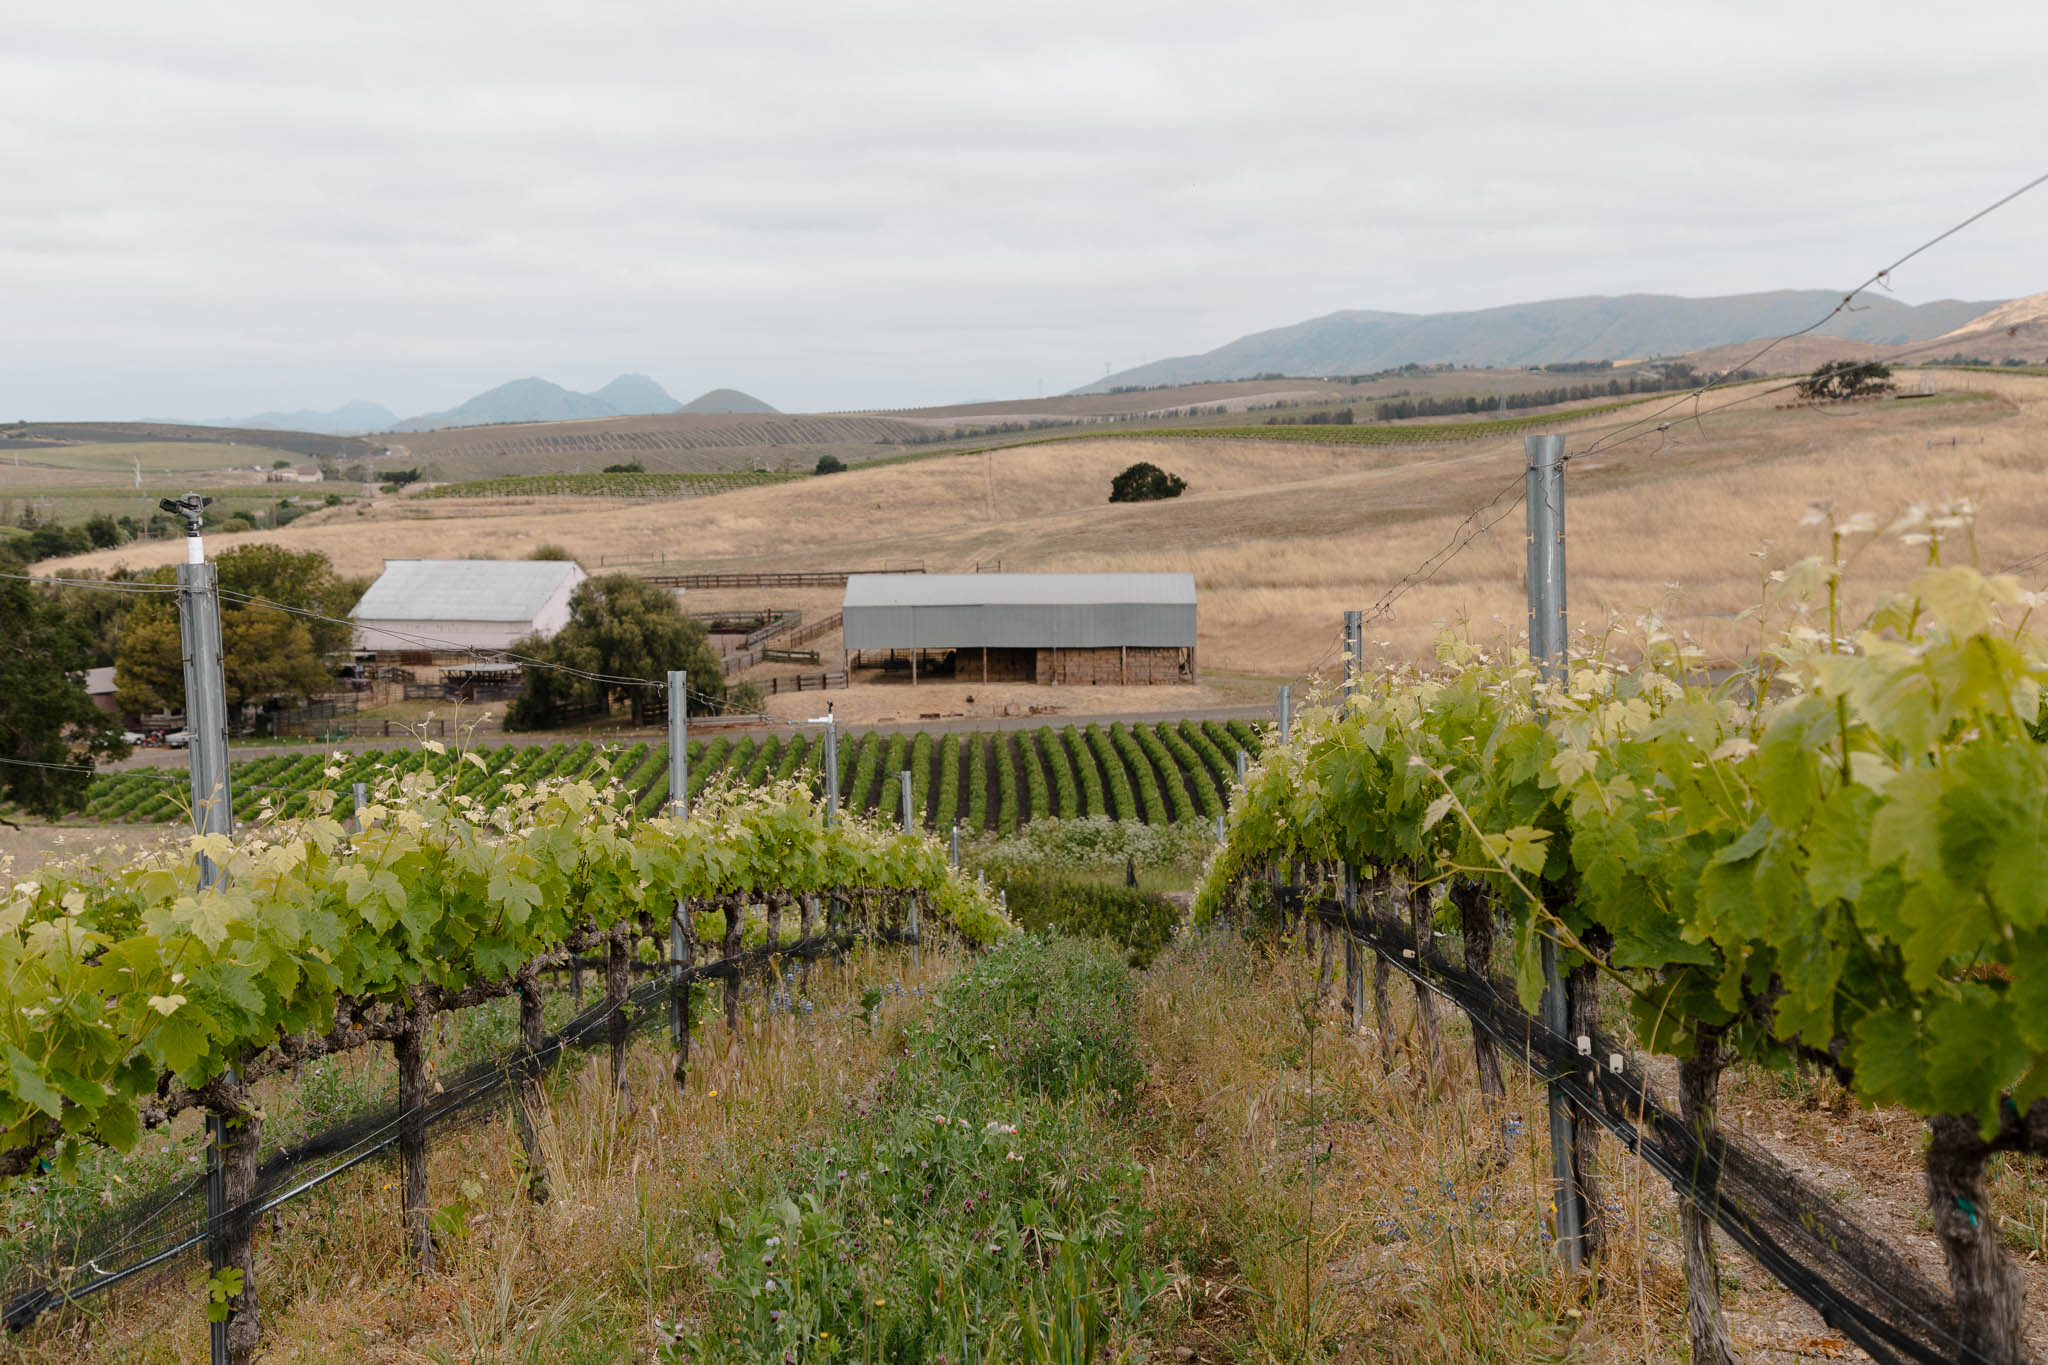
x: 1627, y: 327
x: 350, y: 419
x: 522, y: 400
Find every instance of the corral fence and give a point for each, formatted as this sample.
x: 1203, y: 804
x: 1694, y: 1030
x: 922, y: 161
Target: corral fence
x: 426, y: 728
x: 802, y: 682
x: 817, y: 629
x: 1858, y: 1282
x: 831, y: 578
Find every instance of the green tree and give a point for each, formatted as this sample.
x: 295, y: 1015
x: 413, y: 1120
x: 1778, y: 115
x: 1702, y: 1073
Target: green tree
x: 830, y: 464
x: 45, y: 715
x: 620, y: 627
x: 1145, y: 482
x: 269, y: 654
x: 1847, y: 379
x: 103, y: 531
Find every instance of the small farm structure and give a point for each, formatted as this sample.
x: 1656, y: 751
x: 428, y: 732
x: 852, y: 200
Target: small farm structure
x: 1072, y: 628
x: 435, y: 606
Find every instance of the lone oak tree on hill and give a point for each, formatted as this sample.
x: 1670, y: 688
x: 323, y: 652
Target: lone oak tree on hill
x: 1145, y: 482
x: 619, y: 627
x: 266, y: 653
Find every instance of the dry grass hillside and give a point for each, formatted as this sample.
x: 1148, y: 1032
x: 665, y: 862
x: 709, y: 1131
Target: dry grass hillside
x: 1284, y: 536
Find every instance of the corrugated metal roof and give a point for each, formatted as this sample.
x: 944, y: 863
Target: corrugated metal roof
x: 464, y: 589
x: 1019, y: 589
x: 1019, y: 611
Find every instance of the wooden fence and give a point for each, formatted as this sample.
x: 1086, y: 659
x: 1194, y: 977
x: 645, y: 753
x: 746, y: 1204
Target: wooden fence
x: 834, y: 578
x: 803, y: 682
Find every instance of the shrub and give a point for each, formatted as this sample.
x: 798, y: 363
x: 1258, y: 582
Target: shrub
x: 830, y: 464
x: 1140, y: 922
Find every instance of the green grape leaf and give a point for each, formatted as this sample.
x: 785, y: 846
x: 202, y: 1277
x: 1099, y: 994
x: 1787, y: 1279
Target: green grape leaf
x: 30, y: 1084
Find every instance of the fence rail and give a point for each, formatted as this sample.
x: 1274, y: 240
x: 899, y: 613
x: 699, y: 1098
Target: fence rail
x: 436, y: 728
x: 832, y: 578
x: 803, y: 682
x: 823, y: 626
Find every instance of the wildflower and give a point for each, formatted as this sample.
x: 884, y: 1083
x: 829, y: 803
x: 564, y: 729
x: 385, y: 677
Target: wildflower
x: 881, y: 1303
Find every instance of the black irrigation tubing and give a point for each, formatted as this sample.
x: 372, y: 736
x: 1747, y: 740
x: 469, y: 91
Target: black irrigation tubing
x: 1921, y: 1328
x: 481, y: 1082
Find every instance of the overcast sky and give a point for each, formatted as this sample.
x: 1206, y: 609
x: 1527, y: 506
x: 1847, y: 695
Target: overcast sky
x: 210, y: 209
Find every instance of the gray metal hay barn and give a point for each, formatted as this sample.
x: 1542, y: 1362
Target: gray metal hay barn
x: 442, y: 605
x: 1029, y: 627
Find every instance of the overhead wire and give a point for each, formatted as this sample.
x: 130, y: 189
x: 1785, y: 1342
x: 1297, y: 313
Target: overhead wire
x: 1650, y: 424
x: 1847, y: 302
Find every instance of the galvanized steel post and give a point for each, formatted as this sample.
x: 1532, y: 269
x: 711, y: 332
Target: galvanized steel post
x: 1354, y: 651
x: 1544, y: 495
x: 679, y: 806
x: 213, y: 812
x: 1286, y: 709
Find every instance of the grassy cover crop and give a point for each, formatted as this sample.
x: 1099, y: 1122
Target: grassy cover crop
x: 985, y: 1208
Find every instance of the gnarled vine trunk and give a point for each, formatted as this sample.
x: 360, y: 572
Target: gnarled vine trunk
x: 618, y: 985
x: 681, y: 1003
x: 1582, y: 1005
x: 409, y: 1049
x: 1990, y: 1296
x: 532, y: 1101
x: 1475, y: 924
x: 241, y: 1144
x: 1419, y: 917
x: 1699, y: 1084
x: 1377, y: 905
x: 735, y: 925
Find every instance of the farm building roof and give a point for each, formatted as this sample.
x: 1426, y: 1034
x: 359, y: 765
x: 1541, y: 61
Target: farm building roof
x: 464, y: 589
x: 1019, y: 610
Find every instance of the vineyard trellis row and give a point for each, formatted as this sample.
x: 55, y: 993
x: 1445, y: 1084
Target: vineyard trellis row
x: 131, y: 994
x: 1851, y: 873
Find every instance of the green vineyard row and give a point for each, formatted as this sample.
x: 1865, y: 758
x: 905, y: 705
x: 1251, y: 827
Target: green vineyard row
x: 603, y: 485
x: 1394, y: 434
x: 991, y: 781
x: 1851, y: 873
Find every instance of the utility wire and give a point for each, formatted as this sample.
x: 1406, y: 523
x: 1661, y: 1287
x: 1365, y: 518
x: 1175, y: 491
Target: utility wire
x: 1651, y: 424
x: 1882, y: 276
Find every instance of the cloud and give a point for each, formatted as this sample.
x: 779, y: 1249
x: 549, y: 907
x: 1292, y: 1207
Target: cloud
x: 224, y: 207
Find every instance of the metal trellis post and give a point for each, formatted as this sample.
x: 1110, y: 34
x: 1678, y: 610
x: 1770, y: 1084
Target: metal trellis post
x: 831, y: 769
x: 1286, y: 708
x: 1544, y: 492
x: 910, y: 822
x: 679, y: 806
x: 1354, y: 651
x: 213, y: 808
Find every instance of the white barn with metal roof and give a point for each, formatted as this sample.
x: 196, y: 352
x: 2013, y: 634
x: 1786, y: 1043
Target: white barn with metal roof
x: 1044, y: 627
x: 458, y: 604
